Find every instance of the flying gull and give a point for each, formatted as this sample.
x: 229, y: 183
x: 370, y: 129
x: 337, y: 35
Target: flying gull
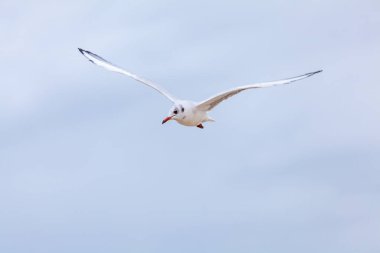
x: 186, y: 112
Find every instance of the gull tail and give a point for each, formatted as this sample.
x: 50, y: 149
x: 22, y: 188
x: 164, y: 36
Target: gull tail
x: 210, y: 119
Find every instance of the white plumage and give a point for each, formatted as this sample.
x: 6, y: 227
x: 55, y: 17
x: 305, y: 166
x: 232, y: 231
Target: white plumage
x: 186, y: 112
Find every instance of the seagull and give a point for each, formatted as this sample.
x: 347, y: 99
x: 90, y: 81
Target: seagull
x: 186, y: 112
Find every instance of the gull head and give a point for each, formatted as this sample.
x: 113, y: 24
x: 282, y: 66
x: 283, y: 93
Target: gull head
x: 177, y: 112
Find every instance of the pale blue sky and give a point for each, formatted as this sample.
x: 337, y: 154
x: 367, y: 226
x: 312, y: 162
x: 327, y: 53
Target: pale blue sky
x: 86, y: 166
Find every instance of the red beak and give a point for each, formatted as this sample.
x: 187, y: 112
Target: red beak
x: 167, y: 119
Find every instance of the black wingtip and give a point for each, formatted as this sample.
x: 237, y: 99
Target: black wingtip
x: 81, y: 50
x: 84, y: 51
x: 316, y: 72
x: 313, y: 73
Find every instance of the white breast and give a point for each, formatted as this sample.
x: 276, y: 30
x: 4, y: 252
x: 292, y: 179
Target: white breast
x: 191, y: 116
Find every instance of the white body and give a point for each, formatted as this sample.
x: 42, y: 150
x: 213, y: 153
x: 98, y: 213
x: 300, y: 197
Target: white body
x: 191, y: 116
x: 189, y: 113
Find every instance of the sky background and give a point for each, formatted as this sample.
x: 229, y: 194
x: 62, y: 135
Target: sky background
x: 86, y: 166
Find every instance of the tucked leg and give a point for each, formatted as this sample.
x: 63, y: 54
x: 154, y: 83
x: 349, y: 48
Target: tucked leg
x: 200, y: 125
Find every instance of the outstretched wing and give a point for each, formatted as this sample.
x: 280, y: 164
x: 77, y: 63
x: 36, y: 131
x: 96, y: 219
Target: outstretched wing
x: 213, y: 101
x: 96, y: 59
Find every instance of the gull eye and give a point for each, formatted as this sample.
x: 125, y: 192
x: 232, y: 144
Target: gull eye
x: 175, y: 111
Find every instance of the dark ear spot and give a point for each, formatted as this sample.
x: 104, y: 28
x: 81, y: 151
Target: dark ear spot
x: 182, y: 109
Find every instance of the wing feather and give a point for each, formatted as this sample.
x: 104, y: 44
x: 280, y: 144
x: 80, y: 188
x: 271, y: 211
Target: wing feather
x: 213, y: 101
x: 97, y: 60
